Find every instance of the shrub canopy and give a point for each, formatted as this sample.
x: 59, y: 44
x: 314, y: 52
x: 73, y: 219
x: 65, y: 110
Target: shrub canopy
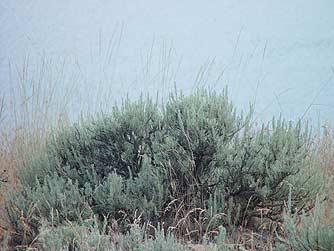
x: 190, y: 165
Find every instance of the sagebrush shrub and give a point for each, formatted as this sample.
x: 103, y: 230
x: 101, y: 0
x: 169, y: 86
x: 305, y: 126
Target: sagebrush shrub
x: 191, y: 165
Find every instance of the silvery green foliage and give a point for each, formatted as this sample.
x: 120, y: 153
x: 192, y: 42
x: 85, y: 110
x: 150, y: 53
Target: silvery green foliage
x: 258, y: 168
x: 91, y: 238
x: 310, y: 231
x: 89, y: 152
x: 194, y: 128
x: 71, y: 236
x: 117, y: 195
x: 209, y: 148
x: 137, y: 240
x: 58, y: 200
x: 192, y: 163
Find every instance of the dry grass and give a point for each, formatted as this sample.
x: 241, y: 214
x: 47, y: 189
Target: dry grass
x: 326, y: 150
x: 325, y: 157
x: 27, y: 115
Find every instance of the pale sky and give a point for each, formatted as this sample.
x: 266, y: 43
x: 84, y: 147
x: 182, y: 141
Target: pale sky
x: 277, y: 53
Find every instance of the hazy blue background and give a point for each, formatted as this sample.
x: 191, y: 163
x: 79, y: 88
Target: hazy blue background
x: 278, y: 54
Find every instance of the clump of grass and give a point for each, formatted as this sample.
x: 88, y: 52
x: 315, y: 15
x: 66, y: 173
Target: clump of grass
x: 326, y: 150
x: 3, y: 172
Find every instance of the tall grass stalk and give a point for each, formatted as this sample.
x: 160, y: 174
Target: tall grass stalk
x: 325, y: 157
x: 34, y: 105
